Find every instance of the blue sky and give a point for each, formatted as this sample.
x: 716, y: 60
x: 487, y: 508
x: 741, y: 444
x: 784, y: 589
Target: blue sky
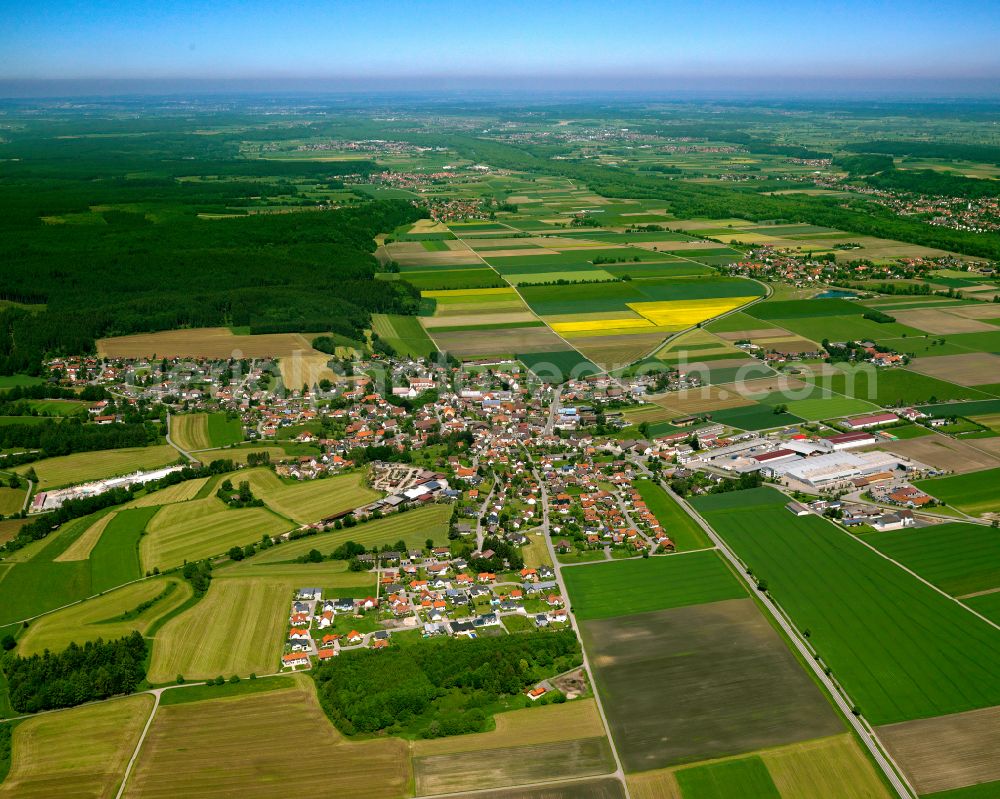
x: 604, y: 43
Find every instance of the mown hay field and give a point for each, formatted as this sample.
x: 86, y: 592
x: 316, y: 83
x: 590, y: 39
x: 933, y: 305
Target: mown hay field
x: 236, y: 629
x: 81, y: 548
x: 309, y: 500
x: 190, y: 431
x: 721, y: 669
x: 11, y: 500
x: 900, y: 648
x: 201, y: 528
x: 82, y: 467
x: 532, y: 725
x: 404, y: 334
x: 75, y: 753
x: 251, y: 746
x: 101, y: 617
x: 413, y: 526
x: 179, y: 492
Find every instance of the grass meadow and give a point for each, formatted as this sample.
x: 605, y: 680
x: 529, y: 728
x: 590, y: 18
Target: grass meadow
x: 975, y: 493
x: 82, y: 467
x: 309, y: 500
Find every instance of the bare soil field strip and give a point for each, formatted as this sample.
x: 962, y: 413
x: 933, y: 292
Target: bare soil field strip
x: 762, y: 386
x: 474, y: 342
x: 84, y: 545
x: 721, y: 670
x: 947, y: 752
x: 252, y: 747
x: 75, y: 753
x: 533, y: 725
x: 512, y: 765
x: 979, y: 311
x: 236, y: 629
x: 942, y: 322
x: 599, y: 788
x: 945, y: 453
x: 966, y: 369
x: 431, y: 322
x: 306, y: 369
x: 203, y: 342
x: 617, y: 351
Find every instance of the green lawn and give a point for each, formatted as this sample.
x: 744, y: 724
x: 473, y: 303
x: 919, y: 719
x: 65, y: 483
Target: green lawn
x: 728, y: 779
x: 901, y: 649
x: 625, y: 587
x: 974, y: 493
x: 682, y: 529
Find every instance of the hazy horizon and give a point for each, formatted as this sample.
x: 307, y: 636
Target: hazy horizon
x: 100, y: 47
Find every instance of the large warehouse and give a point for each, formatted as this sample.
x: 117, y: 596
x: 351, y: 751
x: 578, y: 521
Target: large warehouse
x: 823, y: 471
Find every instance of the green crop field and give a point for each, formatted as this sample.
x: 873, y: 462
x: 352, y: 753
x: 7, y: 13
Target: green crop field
x: 404, y: 334
x: 727, y: 780
x: 830, y: 408
x: 901, y: 650
x: 309, y: 500
x: 682, y: 529
x: 558, y: 366
x: 892, y: 386
x: 636, y: 586
x: 975, y: 493
x: 201, y: 528
x: 754, y: 417
x: 772, y: 310
x: 115, y: 557
x: 957, y: 558
x: 975, y: 408
x: 439, y: 279
x: 82, y: 467
x: 223, y: 430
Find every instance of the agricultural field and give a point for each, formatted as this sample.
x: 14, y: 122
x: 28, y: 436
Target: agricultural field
x: 404, y: 334
x: 195, y: 431
x: 110, y: 615
x: 901, y: 649
x: 179, y: 492
x: 559, y: 365
x: 80, y: 752
x: 513, y: 764
x: 974, y: 493
x: 309, y: 500
x: 945, y: 453
x: 682, y: 529
x: 205, y: 342
x: 236, y: 629
x: 413, y: 526
x: 958, y: 558
x: 746, y: 776
x: 82, y: 467
x: 244, y: 745
x: 947, y: 752
x: 638, y: 586
x: 12, y: 500
x: 201, y: 528
x: 892, y: 387
x: 721, y: 669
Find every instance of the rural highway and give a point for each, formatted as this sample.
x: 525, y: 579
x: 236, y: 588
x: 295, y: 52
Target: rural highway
x: 619, y: 772
x: 864, y: 730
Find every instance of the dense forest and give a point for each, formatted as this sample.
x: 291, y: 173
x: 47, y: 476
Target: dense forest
x: 103, y: 237
x: 447, y: 683
x: 78, y: 674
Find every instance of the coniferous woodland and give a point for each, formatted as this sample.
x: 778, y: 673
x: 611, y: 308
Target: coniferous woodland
x: 78, y: 674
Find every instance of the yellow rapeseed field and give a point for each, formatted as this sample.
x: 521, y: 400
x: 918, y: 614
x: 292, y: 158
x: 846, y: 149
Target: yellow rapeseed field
x: 450, y: 293
x: 601, y: 325
x: 684, y: 313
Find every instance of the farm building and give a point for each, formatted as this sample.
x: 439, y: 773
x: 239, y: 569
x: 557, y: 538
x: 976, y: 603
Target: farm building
x: 871, y: 420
